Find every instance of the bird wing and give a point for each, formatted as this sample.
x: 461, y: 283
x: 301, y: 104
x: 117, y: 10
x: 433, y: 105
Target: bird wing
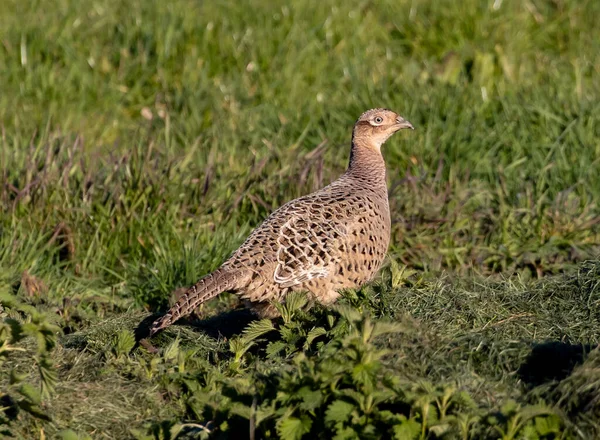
x: 307, y: 248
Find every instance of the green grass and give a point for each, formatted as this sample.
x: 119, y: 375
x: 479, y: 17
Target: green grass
x: 141, y: 141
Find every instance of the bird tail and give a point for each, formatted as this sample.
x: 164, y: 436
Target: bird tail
x: 207, y: 288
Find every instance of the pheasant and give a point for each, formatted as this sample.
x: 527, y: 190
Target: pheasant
x: 333, y: 239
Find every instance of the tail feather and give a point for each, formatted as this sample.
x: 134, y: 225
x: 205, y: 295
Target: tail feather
x: 207, y: 288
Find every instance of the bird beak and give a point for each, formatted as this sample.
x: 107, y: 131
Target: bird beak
x: 403, y: 123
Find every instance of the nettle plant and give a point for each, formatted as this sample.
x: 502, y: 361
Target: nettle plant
x: 324, y: 375
x: 22, y: 323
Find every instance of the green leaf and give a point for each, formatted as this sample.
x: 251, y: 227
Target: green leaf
x: 353, y: 394
x: 509, y: 408
x: 313, y: 334
x: 338, y: 411
x: 8, y: 300
x: 310, y: 399
x: 294, y: 301
x: 238, y: 346
x: 531, y: 411
x: 48, y: 375
x: 124, y: 342
x: 350, y: 313
x: 345, y: 433
x: 364, y: 374
x: 256, y: 329
x: 68, y: 434
x: 15, y: 377
x: 46, y: 335
x: 175, y: 430
x: 34, y: 410
x: 31, y: 393
x: 440, y: 429
x: 263, y: 414
x: 293, y: 428
x: 241, y: 410
x: 330, y: 320
x: 140, y: 434
x: 289, y: 335
x: 382, y: 328
x: 547, y: 425
x: 17, y: 331
x: 407, y: 429
x: 399, y: 273
x: 172, y: 350
x: 274, y: 348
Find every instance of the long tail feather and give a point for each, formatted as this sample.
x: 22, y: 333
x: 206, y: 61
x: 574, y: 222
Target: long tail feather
x: 207, y: 288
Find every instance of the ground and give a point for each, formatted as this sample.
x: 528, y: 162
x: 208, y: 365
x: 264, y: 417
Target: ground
x: 142, y: 141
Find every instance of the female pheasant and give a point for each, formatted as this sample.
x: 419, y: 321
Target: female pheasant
x: 332, y: 239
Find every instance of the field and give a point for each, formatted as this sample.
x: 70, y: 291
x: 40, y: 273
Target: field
x: 141, y: 142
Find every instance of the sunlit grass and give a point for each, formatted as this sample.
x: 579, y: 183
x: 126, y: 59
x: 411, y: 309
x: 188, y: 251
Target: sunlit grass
x: 141, y: 142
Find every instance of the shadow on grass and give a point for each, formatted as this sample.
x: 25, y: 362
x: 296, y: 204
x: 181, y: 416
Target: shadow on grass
x: 552, y: 361
x: 223, y: 325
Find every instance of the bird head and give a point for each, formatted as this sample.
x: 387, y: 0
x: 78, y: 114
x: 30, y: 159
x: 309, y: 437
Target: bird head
x: 375, y: 126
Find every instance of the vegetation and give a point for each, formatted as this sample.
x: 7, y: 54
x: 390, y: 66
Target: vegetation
x: 141, y: 141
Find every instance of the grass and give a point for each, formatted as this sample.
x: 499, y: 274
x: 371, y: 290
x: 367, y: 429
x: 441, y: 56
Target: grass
x: 141, y: 142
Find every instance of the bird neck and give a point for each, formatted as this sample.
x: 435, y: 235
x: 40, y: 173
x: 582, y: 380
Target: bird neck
x: 366, y: 163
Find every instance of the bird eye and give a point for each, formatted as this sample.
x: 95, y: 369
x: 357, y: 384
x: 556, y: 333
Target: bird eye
x: 378, y: 119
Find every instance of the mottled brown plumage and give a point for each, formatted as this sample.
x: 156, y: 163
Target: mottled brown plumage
x: 321, y: 243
